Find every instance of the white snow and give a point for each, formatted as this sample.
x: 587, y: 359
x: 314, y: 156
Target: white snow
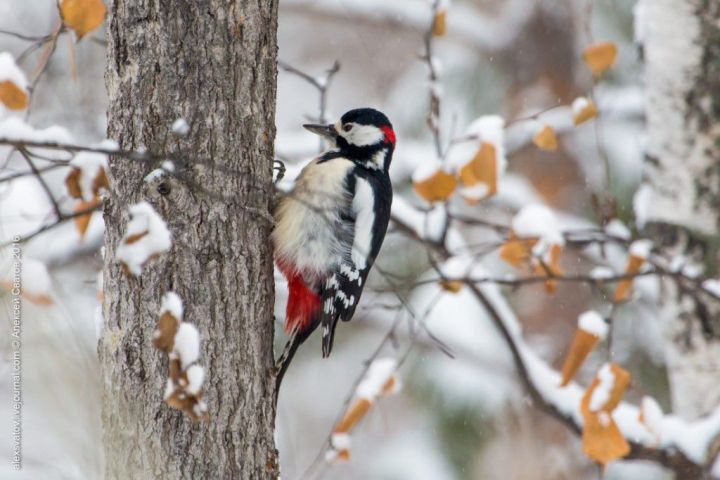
x: 641, y: 204
x: 340, y: 441
x: 652, y: 415
x: 378, y: 373
x: 172, y: 304
x: 602, y: 272
x: 593, y: 323
x: 144, y: 220
x: 538, y: 221
x: 187, y: 344
x: 491, y: 129
x: 13, y: 128
x: 180, y: 127
x: 434, y: 222
x: 195, y: 375
x: 34, y: 277
x: 476, y: 192
x: 166, y: 167
x: 601, y: 393
x: 425, y: 171
x: 578, y: 105
x: 641, y: 248
x: 713, y: 286
x: 639, y: 22
x: 90, y: 164
x: 617, y: 228
x: 10, y: 71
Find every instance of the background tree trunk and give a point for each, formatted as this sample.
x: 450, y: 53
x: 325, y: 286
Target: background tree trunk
x: 682, y: 52
x: 213, y: 63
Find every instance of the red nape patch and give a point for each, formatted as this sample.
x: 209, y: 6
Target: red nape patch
x: 303, y: 305
x: 389, y: 134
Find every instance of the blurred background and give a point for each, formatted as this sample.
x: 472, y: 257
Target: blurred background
x: 462, y: 418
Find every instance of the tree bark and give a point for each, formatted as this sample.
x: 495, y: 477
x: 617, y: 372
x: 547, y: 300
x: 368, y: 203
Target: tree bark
x: 213, y: 63
x: 681, y: 42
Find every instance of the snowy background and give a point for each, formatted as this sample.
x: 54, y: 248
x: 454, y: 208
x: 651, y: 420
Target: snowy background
x: 462, y: 418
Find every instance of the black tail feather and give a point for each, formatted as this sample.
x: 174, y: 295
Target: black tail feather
x: 283, y: 362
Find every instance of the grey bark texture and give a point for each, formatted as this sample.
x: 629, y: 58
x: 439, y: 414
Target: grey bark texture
x: 213, y: 63
x: 681, y: 44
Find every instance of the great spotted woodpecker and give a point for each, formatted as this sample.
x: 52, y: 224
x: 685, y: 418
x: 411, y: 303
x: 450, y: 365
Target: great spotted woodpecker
x: 329, y: 229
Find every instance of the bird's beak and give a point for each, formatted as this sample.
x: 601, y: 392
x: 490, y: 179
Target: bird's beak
x: 327, y: 131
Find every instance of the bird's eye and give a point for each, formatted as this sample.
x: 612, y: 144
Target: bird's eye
x: 347, y: 127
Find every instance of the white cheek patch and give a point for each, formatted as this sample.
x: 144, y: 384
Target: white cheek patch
x: 362, y: 135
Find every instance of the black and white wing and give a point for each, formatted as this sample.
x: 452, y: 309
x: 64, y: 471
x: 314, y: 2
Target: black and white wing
x: 369, y: 214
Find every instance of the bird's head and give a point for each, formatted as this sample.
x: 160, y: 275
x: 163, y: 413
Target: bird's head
x: 364, y: 135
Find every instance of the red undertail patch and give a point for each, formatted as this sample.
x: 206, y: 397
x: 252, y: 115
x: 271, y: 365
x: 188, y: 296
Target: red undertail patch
x: 303, y: 303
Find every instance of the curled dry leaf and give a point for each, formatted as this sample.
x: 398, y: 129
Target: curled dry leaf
x: 481, y: 171
x: 164, y: 334
x: 436, y: 188
x: 440, y: 23
x: 72, y: 183
x: 82, y: 16
x: 452, y: 286
x: 13, y: 96
x: 602, y: 439
x: 600, y: 57
x: 82, y: 222
x: 545, y: 139
x: 550, y: 266
x: 517, y: 252
x: 624, y: 287
x: 379, y: 380
x: 583, y: 110
x: 583, y: 343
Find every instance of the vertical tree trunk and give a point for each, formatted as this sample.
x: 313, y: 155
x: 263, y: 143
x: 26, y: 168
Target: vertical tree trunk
x: 682, y: 52
x: 213, y: 63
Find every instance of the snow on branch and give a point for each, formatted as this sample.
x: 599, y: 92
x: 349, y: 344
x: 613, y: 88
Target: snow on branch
x: 680, y: 445
x: 181, y: 341
x: 379, y: 380
x: 146, y: 237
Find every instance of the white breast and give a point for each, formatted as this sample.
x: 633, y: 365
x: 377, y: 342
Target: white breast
x: 307, y: 220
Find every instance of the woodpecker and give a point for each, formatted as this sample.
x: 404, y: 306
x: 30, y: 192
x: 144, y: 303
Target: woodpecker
x: 330, y: 228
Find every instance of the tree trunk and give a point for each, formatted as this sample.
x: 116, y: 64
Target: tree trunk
x: 213, y: 63
x: 681, y: 41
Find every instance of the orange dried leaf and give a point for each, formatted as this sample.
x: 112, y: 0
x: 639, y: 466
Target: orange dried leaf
x: 72, y: 183
x: 550, y: 267
x: 164, y: 334
x: 452, y: 286
x: 135, y: 238
x: 517, y: 252
x: 624, y: 287
x: 587, y: 112
x: 356, y: 412
x: 12, y: 96
x: 600, y: 57
x: 602, y: 439
x: 583, y: 343
x: 437, y: 188
x: 390, y: 386
x: 83, y: 16
x: 440, y: 23
x: 482, y: 169
x: 83, y: 221
x: 100, y: 181
x: 546, y: 139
